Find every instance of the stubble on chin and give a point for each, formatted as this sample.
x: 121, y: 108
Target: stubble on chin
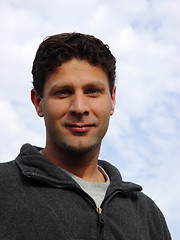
x: 77, y: 150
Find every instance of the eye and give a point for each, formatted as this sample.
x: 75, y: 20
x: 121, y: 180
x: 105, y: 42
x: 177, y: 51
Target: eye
x: 93, y: 91
x: 63, y: 93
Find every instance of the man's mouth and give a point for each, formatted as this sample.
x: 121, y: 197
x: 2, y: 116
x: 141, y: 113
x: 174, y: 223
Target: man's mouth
x: 79, y: 128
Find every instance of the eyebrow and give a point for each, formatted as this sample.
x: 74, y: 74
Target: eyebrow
x: 94, y: 84
x: 56, y: 87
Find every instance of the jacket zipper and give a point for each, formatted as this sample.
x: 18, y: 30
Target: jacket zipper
x: 100, y: 210
x: 101, y: 220
x: 101, y: 223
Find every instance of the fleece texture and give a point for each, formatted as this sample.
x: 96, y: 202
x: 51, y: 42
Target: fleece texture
x: 40, y: 201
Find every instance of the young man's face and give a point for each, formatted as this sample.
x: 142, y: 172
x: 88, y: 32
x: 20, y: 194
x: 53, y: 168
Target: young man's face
x: 76, y: 106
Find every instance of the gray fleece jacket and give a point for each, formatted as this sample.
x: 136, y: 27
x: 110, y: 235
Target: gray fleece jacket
x: 39, y: 201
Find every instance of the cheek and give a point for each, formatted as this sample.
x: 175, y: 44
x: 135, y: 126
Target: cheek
x: 54, y: 110
x: 103, y: 109
x: 103, y: 124
x: 103, y: 115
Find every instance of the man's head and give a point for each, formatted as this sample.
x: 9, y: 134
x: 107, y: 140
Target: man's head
x: 74, y: 91
x: 58, y: 49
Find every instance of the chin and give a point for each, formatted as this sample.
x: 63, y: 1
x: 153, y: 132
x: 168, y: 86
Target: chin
x: 78, y: 150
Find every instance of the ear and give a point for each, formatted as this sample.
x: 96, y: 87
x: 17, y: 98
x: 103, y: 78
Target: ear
x: 113, y: 99
x: 37, y: 102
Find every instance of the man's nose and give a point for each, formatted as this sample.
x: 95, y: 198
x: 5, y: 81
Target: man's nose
x: 79, y: 104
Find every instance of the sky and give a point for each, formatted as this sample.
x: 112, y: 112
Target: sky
x: 143, y: 140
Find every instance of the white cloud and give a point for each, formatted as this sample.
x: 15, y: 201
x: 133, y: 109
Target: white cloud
x: 16, y: 129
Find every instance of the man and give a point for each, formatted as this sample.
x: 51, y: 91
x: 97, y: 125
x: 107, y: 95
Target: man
x: 62, y: 191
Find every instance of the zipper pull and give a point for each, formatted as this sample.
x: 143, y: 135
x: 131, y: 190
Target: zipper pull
x: 99, y: 210
x: 100, y: 215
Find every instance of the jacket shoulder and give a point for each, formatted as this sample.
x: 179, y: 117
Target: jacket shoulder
x: 148, y: 206
x: 146, y: 202
x: 149, y: 211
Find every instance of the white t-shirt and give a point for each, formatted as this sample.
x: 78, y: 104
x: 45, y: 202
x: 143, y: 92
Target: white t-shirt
x: 96, y: 190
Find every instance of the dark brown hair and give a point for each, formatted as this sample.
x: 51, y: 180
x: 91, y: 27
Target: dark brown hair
x: 60, y: 48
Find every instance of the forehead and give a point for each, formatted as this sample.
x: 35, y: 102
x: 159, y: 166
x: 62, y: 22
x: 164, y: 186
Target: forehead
x: 77, y: 72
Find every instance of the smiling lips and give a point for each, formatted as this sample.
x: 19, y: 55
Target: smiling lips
x: 79, y: 128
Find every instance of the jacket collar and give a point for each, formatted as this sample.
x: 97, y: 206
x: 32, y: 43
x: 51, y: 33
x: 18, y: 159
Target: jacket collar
x: 35, y: 166
x: 117, y: 184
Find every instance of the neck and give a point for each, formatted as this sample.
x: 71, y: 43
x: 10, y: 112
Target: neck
x: 83, y: 165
